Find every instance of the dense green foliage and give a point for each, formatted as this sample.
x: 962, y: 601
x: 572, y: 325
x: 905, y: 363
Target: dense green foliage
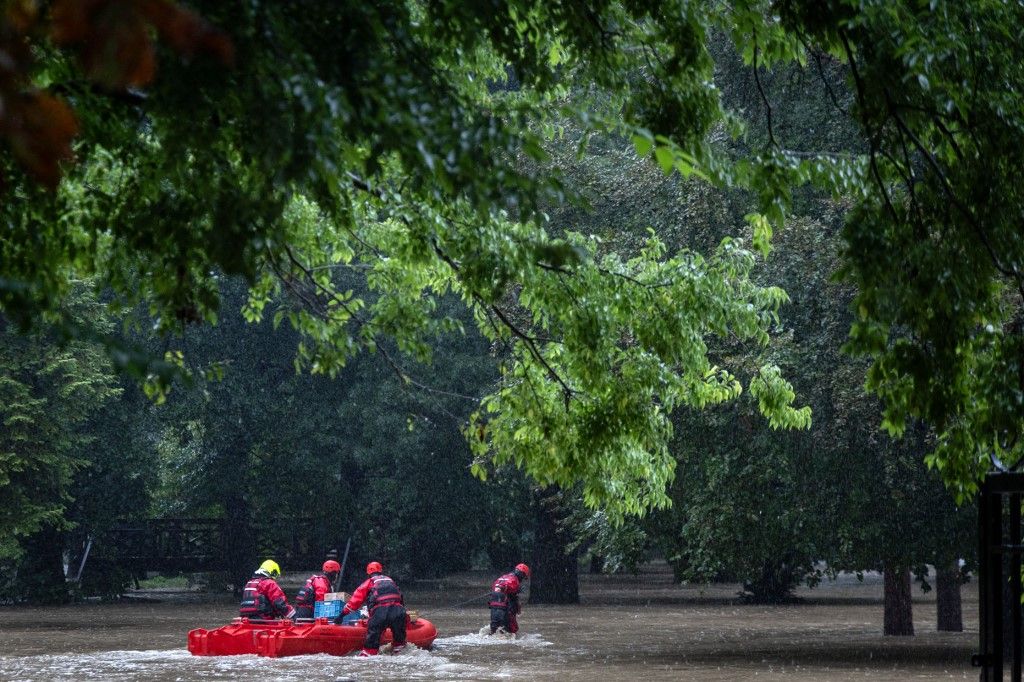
x: 750, y: 504
x: 281, y: 454
x: 935, y: 252
x: 384, y: 175
x: 438, y: 196
x: 358, y: 455
x: 48, y: 394
x: 75, y: 453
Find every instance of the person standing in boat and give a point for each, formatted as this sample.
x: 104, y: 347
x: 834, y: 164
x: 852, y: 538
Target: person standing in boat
x: 262, y: 597
x: 332, y: 555
x: 504, y: 600
x: 317, y: 585
x: 384, y: 601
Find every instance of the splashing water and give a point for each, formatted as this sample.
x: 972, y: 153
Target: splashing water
x: 530, y: 641
x: 415, y: 664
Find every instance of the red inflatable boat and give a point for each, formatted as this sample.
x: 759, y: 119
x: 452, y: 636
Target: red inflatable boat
x: 285, y: 638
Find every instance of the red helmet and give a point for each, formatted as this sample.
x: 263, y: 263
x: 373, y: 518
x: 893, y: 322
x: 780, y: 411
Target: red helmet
x: 374, y: 567
x: 524, y: 569
x: 332, y: 566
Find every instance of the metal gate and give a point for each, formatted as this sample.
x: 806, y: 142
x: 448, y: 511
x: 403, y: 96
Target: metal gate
x: 999, y: 575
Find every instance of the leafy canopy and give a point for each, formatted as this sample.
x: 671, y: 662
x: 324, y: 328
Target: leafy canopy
x: 401, y: 144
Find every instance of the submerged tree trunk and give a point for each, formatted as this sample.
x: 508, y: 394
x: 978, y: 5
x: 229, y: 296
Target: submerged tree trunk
x: 555, y: 574
x: 899, y: 617
x: 947, y: 599
x: 775, y: 584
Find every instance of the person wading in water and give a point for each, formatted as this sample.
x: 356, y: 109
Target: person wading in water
x: 504, y: 601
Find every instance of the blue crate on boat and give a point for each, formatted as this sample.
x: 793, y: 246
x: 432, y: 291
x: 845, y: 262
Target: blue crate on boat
x: 327, y: 609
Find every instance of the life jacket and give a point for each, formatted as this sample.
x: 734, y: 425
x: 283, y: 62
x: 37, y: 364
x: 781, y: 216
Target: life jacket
x: 254, y: 603
x: 504, y: 590
x: 309, y: 593
x: 383, y: 592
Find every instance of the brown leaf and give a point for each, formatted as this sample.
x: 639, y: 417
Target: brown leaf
x: 40, y: 128
x: 112, y: 39
x: 70, y: 20
x: 21, y: 15
x: 17, y: 19
x: 129, y: 59
x: 187, y: 33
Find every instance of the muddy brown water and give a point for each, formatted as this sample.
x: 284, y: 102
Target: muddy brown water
x: 626, y: 628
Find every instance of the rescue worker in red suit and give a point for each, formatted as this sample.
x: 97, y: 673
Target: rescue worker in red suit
x: 262, y: 597
x: 504, y: 601
x: 387, y: 609
x: 317, y: 585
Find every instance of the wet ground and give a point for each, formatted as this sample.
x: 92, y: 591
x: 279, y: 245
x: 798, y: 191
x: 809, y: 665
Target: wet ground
x: 626, y: 628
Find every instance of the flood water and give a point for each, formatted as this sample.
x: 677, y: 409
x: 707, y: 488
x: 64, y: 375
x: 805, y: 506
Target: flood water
x: 626, y: 628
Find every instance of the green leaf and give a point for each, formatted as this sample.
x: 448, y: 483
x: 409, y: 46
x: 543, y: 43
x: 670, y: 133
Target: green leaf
x: 643, y: 144
x: 665, y: 159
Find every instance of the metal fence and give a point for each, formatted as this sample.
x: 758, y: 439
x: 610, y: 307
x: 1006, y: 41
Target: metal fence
x: 999, y: 576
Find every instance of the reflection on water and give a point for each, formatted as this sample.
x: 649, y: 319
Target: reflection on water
x: 626, y: 628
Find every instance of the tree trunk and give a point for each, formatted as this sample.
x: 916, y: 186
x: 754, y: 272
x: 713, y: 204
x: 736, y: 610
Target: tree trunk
x: 555, y: 574
x: 775, y: 584
x: 596, y: 563
x: 947, y: 599
x: 899, y: 617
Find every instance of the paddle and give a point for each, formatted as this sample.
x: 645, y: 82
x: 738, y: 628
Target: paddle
x: 344, y: 558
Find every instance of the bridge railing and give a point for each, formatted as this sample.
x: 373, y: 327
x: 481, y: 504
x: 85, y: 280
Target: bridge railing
x: 205, y: 544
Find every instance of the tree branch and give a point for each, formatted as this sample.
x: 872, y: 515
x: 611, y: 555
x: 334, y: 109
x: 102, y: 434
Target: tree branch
x: 947, y: 189
x: 322, y: 310
x: 764, y: 97
x: 567, y: 392
x: 872, y: 134
x: 828, y: 88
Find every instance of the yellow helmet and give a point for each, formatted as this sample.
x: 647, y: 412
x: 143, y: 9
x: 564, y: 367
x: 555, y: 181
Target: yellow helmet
x: 270, y: 568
